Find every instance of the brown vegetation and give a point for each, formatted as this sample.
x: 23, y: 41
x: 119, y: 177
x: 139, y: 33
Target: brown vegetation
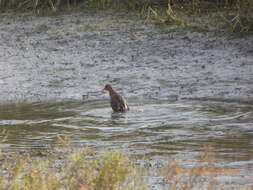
x: 236, y: 14
x: 76, y: 171
x: 201, y: 176
x: 84, y: 170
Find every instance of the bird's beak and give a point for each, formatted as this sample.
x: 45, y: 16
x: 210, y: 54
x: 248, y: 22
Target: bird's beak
x: 103, y: 89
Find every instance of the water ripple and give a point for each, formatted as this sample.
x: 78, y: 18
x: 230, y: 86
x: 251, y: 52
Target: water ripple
x: 150, y: 128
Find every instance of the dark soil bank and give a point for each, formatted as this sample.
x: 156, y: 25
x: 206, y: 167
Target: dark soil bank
x: 68, y: 56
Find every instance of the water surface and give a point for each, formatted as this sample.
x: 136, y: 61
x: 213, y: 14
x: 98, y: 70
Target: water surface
x: 153, y: 129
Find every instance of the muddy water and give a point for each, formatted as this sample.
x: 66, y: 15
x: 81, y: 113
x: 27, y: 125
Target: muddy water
x: 153, y: 129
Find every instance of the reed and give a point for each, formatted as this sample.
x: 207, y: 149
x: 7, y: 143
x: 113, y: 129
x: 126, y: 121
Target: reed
x: 233, y: 15
x: 194, y: 4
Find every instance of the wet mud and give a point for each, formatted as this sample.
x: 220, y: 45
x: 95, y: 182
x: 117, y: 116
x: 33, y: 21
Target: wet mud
x: 72, y: 56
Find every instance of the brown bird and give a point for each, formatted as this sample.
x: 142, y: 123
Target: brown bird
x: 118, y: 103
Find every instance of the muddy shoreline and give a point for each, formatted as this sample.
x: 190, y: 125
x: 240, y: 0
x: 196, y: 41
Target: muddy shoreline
x: 72, y: 56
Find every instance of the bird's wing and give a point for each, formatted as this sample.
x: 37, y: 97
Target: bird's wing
x: 118, y: 103
x: 115, y: 105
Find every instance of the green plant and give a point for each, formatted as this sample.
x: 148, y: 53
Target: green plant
x: 78, y: 171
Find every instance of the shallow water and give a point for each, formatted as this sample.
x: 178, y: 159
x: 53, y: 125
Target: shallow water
x: 154, y: 129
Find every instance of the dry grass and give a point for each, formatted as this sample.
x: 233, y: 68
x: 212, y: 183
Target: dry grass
x: 109, y: 171
x: 83, y: 169
x: 54, y: 5
x: 203, y: 175
x: 233, y: 15
x: 112, y: 170
x: 76, y: 170
x: 217, y: 15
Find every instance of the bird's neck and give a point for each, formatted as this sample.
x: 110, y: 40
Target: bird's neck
x: 112, y: 92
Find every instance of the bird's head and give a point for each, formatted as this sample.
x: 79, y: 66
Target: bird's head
x: 107, y: 87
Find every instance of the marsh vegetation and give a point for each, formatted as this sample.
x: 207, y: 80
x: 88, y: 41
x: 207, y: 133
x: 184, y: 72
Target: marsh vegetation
x: 84, y: 169
x: 237, y: 15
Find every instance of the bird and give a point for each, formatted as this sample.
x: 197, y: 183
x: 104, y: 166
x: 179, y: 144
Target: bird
x: 118, y: 103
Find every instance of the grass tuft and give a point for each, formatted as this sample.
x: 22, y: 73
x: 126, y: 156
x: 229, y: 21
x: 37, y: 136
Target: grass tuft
x: 231, y: 15
x: 83, y: 169
x: 78, y: 171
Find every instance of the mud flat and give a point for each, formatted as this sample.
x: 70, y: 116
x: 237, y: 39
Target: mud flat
x: 71, y: 55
